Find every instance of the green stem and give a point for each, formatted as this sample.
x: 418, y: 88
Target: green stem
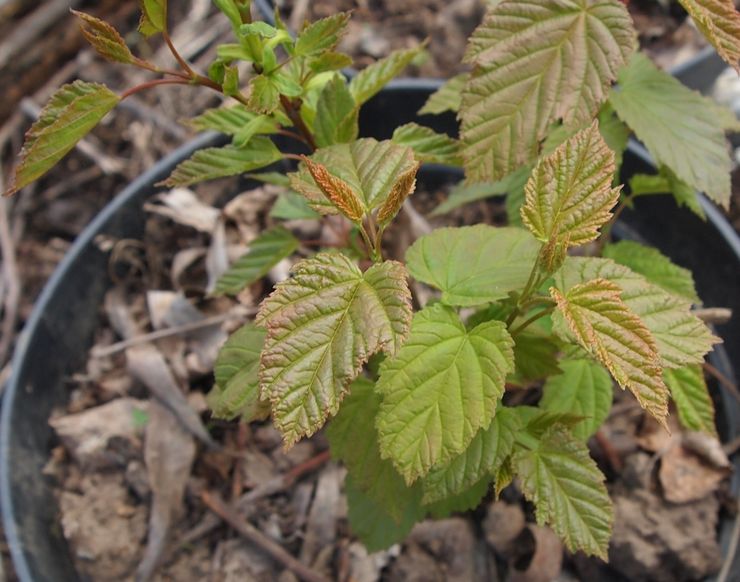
x: 375, y: 237
x: 369, y: 245
x: 526, y: 292
x: 606, y: 231
x: 539, y: 315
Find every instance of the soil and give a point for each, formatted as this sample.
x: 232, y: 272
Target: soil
x: 110, y: 497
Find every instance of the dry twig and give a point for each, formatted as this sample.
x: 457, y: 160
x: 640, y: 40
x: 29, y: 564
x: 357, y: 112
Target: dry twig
x: 722, y: 379
x: 102, y: 352
x: 217, y: 505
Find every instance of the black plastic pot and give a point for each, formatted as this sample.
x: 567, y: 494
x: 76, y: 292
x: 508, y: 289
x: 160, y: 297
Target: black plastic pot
x: 60, y: 330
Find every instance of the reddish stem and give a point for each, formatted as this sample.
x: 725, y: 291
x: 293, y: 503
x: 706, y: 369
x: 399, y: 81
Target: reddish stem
x: 295, y: 116
x: 153, y: 83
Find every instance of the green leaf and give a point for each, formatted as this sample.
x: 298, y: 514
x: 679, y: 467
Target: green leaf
x: 330, y: 61
x: 537, y: 421
x: 535, y: 355
x: 503, y: 477
x: 105, y: 39
x: 373, y: 78
x: 266, y: 251
x: 473, y: 265
x: 606, y: 328
x: 684, y: 194
x: 719, y: 22
x: 463, y: 501
x: 515, y: 200
x: 71, y: 113
x: 488, y: 450
x: 655, y: 267
x: 231, y: 11
x: 584, y: 389
x: 650, y: 102
x: 615, y: 133
x: 264, y: 96
x: 322, y: 35
x: 568, y: 491
x: 464, y: 193
x: 428, y: 145
x: 681, y: 337
x: 354, y: 440
x: 336, y: 114
x: 212, y: 163
x: 537, y: 63
x: 666, y: 182
x: 285, y: 83
x: 323, y: 324
x: 292, y: 206
x: 569, y: 196
x: 236, y: 391
x: 693, y: 402
x: 258, y: 28
x: 153, y: 16
x: 440, y: 389
x: 370, y: 521
x: 447, y: 98
x: 367, y: 170
x: 237, y: 121
x: 274, y: 178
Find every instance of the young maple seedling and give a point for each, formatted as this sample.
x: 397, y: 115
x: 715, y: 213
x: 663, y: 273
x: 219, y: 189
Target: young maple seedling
x: 414, y: 400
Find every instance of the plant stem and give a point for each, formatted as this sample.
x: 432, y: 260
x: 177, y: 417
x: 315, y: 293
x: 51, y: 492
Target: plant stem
x: 368, y: 244
x: 245, y: 529
x: 150, y: 84
x: 606, y: 231
x: 526, y: 292
x: 377, y: 252
x: 178, y: 57
x: 295, y: 116
x: 531, y: 320
x: 292, y: 134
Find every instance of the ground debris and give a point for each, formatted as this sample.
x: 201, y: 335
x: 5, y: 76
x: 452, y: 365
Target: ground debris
x: 104, y: 436
x: 658, y: 541
x: 169, y: 454
x: 106, y: 540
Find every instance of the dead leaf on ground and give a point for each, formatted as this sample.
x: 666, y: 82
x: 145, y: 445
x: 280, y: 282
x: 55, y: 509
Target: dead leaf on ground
x: 685, y: 477
x: 184, y: 207
x: 655, y: 540
x: 169, y: 453
x: 217, y: 258
x: 89, y: 435
x: 653, y: 437
x: 147, y: 365
x: 707, y: 447
x: 321, y: 526
x: 181, y: 262
x: 245, y: 209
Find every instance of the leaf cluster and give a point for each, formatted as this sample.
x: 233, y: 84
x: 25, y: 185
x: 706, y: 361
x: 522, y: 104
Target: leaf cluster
x: 418, y: 403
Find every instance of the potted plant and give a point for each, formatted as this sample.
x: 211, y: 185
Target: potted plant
x: 508, y: 302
